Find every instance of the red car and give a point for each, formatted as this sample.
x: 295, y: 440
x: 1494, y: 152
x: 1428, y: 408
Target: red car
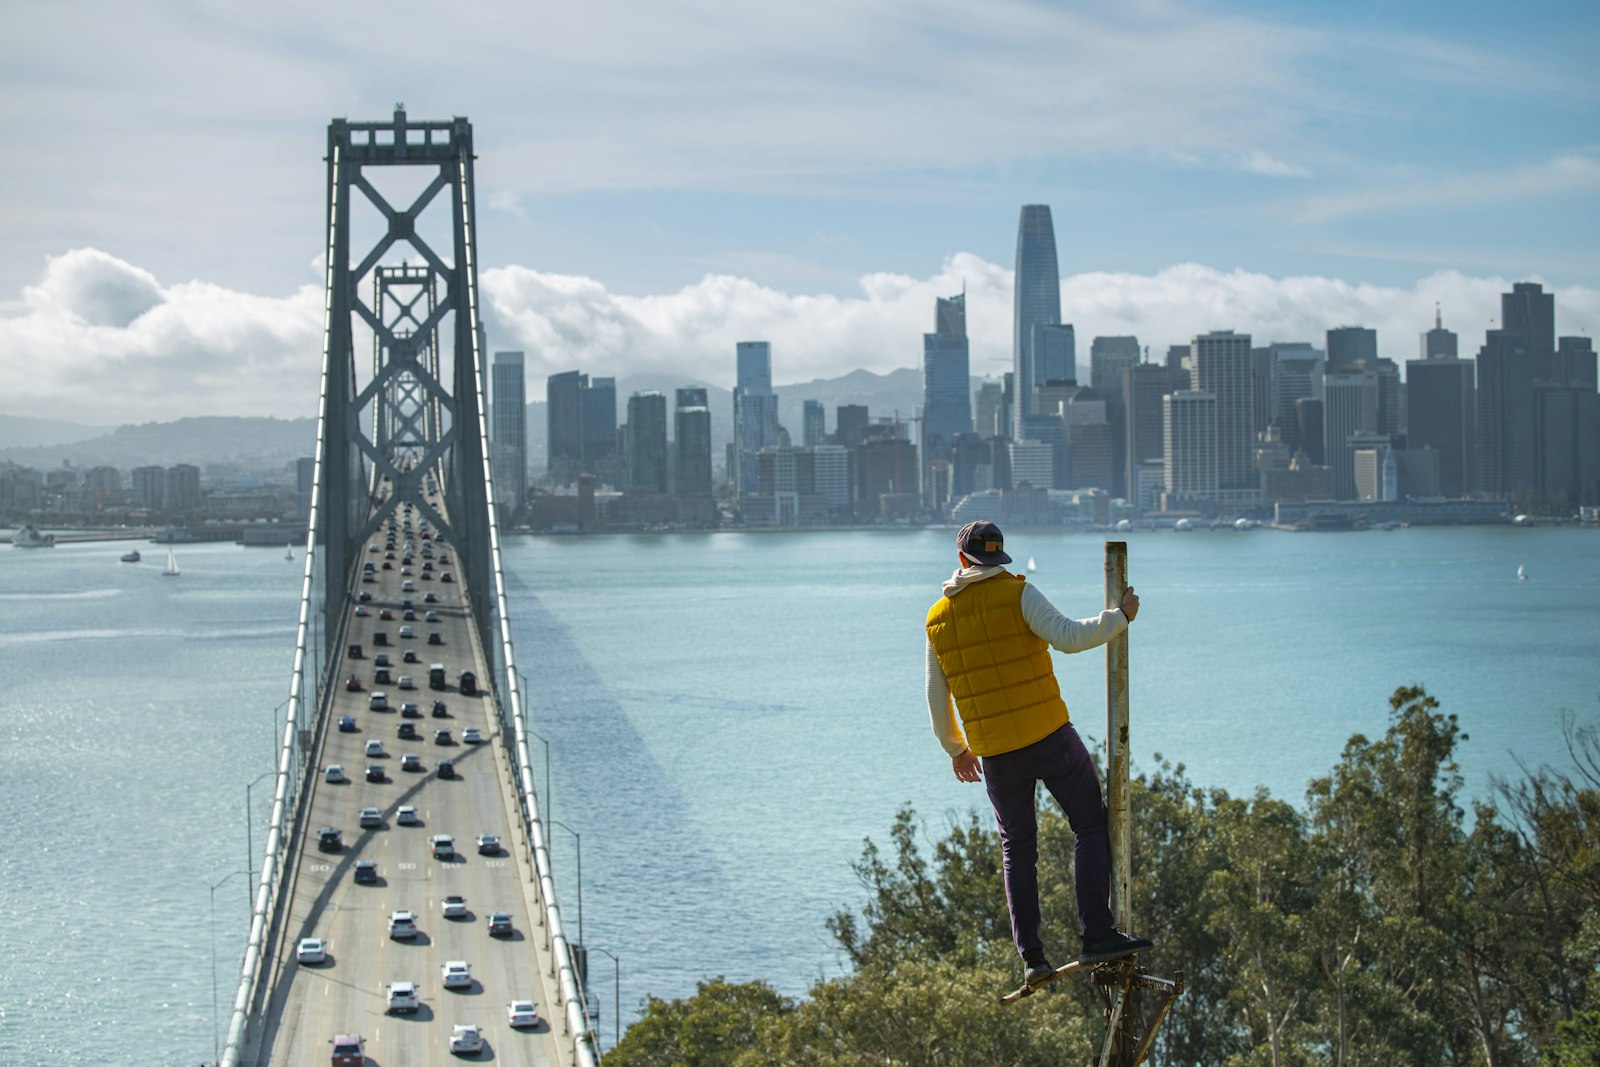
x: 385, y: 613
x: 347, y: 1051
x: 353, y: 684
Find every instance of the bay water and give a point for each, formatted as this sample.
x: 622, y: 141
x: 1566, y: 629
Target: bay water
x: 729, y: 716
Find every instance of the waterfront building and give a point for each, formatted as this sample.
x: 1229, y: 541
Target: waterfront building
x: 182, y: 493
x: 755, y: 410
x: 1310, y: 436
x: 830, y: 467
x: 946, y: 380
x: 692, y: 444
x: 1036, y: 299
x: 647, y: 441
x: 508, y: 431
x: 1220, y: 365
x: 1143, y: 386
x: 1441, y: 393
x: 150, y: 488
x: 887, y: 477
x: 599, y: 414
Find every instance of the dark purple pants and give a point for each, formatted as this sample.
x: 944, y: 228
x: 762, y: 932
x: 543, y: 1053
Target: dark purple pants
x: 1062, y: 763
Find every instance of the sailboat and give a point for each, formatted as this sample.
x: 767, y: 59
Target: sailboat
x: 288, y: 551
x: 1032, y: 566
x: 1522, y: 573
x: 171, y: 569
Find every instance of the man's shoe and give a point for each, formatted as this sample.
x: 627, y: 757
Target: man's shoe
x: 1111, y: 945
x: 1038, y: 972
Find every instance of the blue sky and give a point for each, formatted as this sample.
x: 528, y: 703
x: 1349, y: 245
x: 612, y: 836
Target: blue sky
x: 785, y: 155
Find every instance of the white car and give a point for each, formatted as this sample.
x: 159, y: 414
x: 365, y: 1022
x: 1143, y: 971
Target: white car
x: 455, y: 907
x: 430, y: 616
x: 443, y: 846
x: 471, y: 736
x: 465, y: 1039
x: 403, y: 998
x: 375, y: 747
x: 402, y: 924
x: 405, y: 682
x: 378, y: 701
x: 406, y: 815
x: 406, y: 631
x: 371, y: 817
x: 456, y: 975
x: 334, y: 773
x: 522, y: 1013
x: 311, y: 950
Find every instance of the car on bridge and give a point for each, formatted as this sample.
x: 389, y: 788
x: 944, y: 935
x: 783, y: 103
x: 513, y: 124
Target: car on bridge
x: 447, y: 768
x: 406, y: 815
x: 329, y: 840
x: 522, y: 1013
x: 381, y: 676
x: 456, y: 974
x: 311, y: 950
x: 370, y: 818
x: 472, y: 736
x: 407, y: 631
x: 353, y: 684
x: 402, y: 925
x: 375, y: 749
x: 409, y: 710
x: 488, y: 845
x: 432, y: 616
x: 443, y: 846
x: 430, y: 599
x: 436, y: 639
x: 361, y: 611
x: 442, y: 737
x: 347, y: 1050
x: 376, y: 773
x: 410, y: 656
x: 402, y: 998
x: 382, y: 660
x: 439, y: 710
x: 500, y: 924
x: 465, y: 1040
x: 378, y: 701
x: 365, y: 596
x: 334, y: 774
x: 455, y: 906
x: 365, y: 872
x: 347, y: 724
x: 407, y: 731
x: 411, y: 762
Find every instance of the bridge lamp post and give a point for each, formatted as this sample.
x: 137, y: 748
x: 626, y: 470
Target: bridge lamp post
x: 616, y: 994
x: 277, y: 734
x: 549, y: 801
x: 249, y: 832
x: 216, y: 1041
x: 578, y: 838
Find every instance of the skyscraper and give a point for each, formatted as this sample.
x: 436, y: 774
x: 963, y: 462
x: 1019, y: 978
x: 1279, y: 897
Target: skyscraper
x: 1350, y: 347
x: 1189, y: 424
x: 647, y: 441
x: 1143, y: 386
x: 509, y: 432
x: 599, y: 404
x: 755, y: 411
x: 563, y: 395
x: 1036, y: 299
x: 1296, y: 374
x: 1220, y: 365
x: 692, y: 438
x: 1108, y: 356
x: 1442, y: 408
x: 1055, y: 352
x: 1530, y: 312
x: 1350, y: 407
x: 1438, y: 343
x: 946, y: 381
x: 989, y: 411
x: 814, y: 425
x: 1505, y: 414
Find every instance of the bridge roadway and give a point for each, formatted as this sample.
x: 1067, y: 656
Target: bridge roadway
x: 347, y: 995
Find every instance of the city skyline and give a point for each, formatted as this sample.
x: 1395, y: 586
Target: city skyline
x: 1282, y: 169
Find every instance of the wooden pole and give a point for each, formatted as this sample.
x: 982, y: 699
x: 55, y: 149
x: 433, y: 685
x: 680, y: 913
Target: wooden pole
x: 1118, y: 814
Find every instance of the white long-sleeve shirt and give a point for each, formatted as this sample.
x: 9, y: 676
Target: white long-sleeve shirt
x: 1055, y: 629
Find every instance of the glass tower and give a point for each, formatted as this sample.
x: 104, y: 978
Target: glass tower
x: 946, y: 381
x: 1037, y: 299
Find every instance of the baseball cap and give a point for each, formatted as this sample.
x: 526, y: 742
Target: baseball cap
x: 982, y: 542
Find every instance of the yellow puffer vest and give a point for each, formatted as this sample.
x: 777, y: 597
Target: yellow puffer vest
x: 999, y: 671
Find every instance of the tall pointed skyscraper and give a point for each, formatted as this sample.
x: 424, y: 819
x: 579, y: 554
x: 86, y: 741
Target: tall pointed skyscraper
x: 1037, y: 300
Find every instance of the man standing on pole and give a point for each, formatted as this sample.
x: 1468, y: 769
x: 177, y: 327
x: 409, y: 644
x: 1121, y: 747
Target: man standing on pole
x: 989, y: 641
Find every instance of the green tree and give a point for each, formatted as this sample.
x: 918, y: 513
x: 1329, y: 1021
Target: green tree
x: 717, y: 1026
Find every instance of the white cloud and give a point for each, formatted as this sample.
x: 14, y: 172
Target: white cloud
x: 197, y: 348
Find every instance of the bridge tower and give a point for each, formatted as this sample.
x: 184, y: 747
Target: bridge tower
x: 402, y: 277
